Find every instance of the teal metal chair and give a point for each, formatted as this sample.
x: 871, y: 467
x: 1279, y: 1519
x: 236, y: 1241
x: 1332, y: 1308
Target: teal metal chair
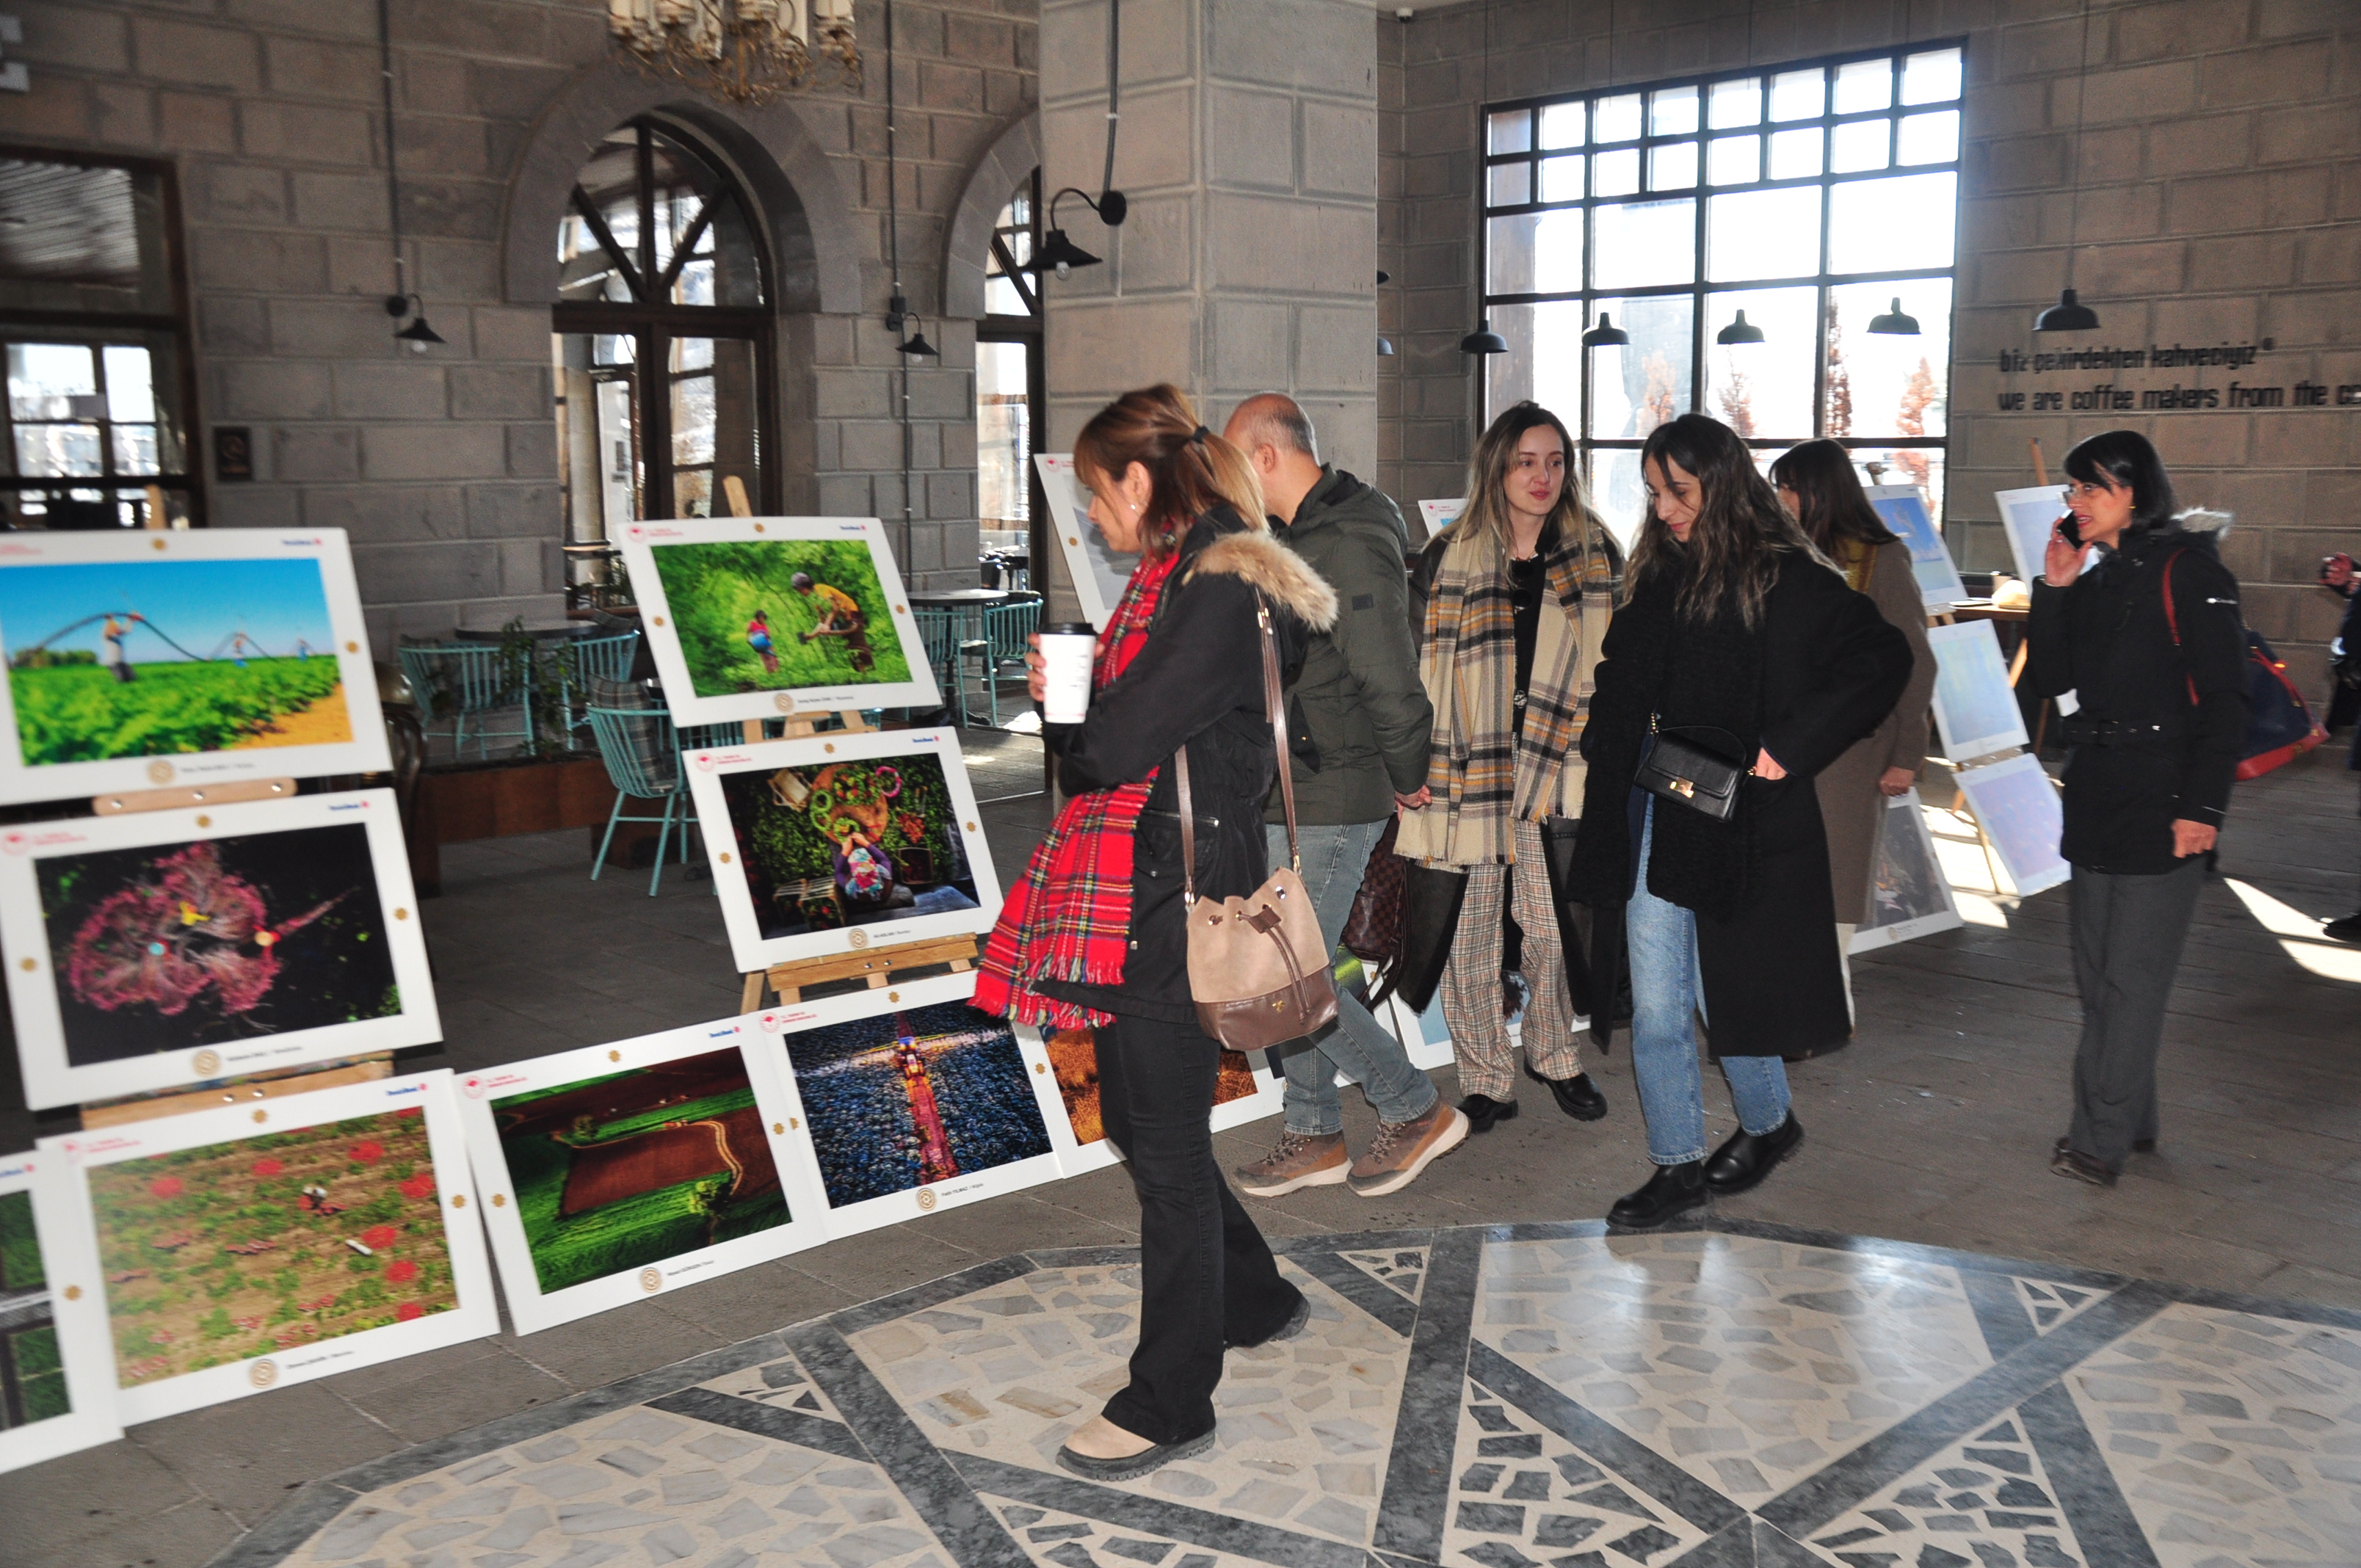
x: 642, y: 750
x: 464, y: 681
x: 588, y: 659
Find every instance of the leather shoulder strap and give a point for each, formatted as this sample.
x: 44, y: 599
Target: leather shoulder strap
x: 2172, y: 620
x: 1275, y: 703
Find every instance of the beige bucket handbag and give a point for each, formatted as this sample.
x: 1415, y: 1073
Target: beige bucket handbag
x: 1258, y: 965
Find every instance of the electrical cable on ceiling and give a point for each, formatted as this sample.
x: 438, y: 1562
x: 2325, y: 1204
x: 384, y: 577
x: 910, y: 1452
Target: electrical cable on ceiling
x: 1115, y: 63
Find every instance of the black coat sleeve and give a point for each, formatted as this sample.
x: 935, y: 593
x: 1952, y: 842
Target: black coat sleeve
x: 1861, y: 663
x: 2049, y: 642
x: 2214, y: 652
x: 1202, y: 661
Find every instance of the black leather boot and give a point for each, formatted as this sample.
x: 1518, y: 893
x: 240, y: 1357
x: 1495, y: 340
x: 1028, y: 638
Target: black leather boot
x: 1674, y: 1190
x: 1576, y: 1096
x: 1746, y: 1160
x: 1482, y: 1110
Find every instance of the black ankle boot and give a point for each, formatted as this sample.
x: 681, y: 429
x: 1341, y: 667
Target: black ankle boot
x: 1746, y: 1160
x: 1674, y: 1190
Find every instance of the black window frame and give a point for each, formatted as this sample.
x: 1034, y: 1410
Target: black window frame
x: 655, y: 325
x: 1031, y: 330
x: 1700, y: 288
x: 106, y: 328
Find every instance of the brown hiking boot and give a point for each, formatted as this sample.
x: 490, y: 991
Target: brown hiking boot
x: 1402, y: 1149
x: 1301, y: 1159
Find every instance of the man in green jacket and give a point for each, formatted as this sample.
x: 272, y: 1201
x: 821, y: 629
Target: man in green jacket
x: 1358, y: 722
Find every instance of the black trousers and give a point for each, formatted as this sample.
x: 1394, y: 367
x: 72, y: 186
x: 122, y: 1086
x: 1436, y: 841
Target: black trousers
x: 1207, y: 1276
x: 2129, y: 932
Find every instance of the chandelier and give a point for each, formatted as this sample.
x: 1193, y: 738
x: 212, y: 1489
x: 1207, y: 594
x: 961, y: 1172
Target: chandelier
x: 747, y: 51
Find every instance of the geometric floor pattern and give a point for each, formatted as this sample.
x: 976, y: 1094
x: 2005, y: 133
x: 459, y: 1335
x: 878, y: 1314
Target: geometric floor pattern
x: 1510, y: 1396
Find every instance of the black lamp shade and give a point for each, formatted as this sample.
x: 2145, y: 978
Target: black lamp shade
x: 1385, y: 346
x: 1059, y: 255
x: 1893, y: 322
x: 2069, y: 315
x: 1605, y: 334
x: 919, y: 347
x: 420, y: 333
x: 1483, y: 340
x: 1740, y: 331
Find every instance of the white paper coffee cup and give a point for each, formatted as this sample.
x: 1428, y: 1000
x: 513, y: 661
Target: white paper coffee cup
x: 1068, y: 652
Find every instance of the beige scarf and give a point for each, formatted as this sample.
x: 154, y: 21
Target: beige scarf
x: 1484, y: 772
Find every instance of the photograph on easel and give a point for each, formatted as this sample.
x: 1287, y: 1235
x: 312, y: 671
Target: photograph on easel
x: 1908, y: 896
x: 843, y: 841
x: 1902, y: 509
x: 138, y: 659
x: 1245, y: 1089
x: 615, y: 1172
x: 748, y: 618
x: 1099, y: 574
x: 1975, y: 707
x: 2016, y: 804
x: 54, y: 1397
x: 914, y: 1100
x: 162, y: 949
x: 242, y: 1248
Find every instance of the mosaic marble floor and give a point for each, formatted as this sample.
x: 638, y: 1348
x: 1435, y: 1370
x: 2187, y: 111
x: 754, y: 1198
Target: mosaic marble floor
x: 1508, y: 1398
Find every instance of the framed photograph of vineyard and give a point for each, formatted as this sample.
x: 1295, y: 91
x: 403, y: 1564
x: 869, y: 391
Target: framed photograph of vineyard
x: 830, y: 843
x: 618, y: 1172
x: 141, y: 659
x: 916, y: 1102
x: 753, y: 617
x: 235, y: 1251
x: 57, y: 1391
x: 164, y: 949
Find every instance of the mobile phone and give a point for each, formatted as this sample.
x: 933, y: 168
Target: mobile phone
x: 2070, y: 531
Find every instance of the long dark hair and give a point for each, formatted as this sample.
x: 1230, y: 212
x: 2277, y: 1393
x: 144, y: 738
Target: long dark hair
x: 1190, y: 469
x: 1485, y: 515
x: 2123, y: 458
x: 1740, y: 533
x: 1829, y: 499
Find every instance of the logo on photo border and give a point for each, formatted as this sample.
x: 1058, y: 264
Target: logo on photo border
x: 205, y: 1063
x: 15, y: 843
x: 705, y: 761
x: 263, y: 1373
x: 927, y: 1198
x: 159, y: 771
x: 473, y: 1088
x: 651, y: 1280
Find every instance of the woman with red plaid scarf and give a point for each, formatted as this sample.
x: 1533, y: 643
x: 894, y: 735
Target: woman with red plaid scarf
x: 1094, y: 935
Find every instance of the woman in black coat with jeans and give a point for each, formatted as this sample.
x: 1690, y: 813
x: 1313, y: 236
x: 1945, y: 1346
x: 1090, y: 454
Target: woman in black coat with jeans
x: 1739, y: 637
x: 2151, y: 643
x: 1094, y: 936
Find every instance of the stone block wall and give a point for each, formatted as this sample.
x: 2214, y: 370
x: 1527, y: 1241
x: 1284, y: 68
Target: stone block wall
x: 2210, y: 195
x: 1249, y: 151
x: 443, y: 465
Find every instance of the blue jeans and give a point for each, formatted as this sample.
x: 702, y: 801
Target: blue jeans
x: 1333, y: 860
x: 1667, y: 990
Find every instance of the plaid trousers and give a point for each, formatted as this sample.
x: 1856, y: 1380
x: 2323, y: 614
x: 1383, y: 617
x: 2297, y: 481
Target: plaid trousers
x: 1471, y: 977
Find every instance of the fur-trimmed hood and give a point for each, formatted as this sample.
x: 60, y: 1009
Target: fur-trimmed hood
x: 2203, y: 520
x: 1282, y: 575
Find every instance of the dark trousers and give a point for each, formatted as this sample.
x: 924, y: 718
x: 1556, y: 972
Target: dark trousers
x: 2129, y: 932
x: 1207, y: 1276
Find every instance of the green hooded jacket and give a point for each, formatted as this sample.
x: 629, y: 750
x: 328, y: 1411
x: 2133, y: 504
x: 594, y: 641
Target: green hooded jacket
x: 1357, y: 716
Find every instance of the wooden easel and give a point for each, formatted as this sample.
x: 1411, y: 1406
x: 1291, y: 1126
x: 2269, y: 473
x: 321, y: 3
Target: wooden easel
x: 148, y: 1107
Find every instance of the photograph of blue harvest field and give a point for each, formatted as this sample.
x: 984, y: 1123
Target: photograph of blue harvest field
x: 168, y: 658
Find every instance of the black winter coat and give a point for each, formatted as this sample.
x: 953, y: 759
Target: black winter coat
x: 1822, y: 670
x: 1197, y: 683
x: 2143, y: 754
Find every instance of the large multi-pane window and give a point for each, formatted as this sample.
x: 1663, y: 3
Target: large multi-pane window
x: 1008, y: 378
x: 94, y: 342
x: 662, y: 351
x: 1777, y: 245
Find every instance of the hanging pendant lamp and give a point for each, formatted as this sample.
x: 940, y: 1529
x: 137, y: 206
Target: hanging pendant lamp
x: 1895, y: 323
x: 1605, y: 334
x: 1483, y: 340
x: 1740, y: 331
x: 2069, y: 315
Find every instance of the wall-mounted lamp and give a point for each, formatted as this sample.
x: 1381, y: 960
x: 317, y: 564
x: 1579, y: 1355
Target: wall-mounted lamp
x: 2069, y: 315
x: 418, y: 334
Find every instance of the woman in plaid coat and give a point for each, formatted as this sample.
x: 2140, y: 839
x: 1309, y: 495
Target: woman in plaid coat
x: 1517, y: 593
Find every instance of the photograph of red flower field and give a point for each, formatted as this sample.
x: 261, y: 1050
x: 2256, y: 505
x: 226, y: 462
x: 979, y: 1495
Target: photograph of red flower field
x: 235, y: 1250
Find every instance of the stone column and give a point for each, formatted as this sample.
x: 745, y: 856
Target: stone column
x: 1248, y: 149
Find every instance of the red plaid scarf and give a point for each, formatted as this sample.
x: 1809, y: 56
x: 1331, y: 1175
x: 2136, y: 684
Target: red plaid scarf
x: 1069, y: 918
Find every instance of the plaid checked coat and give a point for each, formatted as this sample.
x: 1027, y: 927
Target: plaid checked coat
x: 1485, y: 774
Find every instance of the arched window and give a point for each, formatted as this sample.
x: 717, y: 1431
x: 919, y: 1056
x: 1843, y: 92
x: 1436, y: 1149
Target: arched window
x: 663, y: 343
x: 1008, y: 375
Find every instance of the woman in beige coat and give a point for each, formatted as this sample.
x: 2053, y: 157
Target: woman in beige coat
x: 1816, y: 482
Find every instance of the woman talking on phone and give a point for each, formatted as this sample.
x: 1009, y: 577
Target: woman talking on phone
x: 1092, y: 935
x: 1739, y: 666
x: 2151, y: 643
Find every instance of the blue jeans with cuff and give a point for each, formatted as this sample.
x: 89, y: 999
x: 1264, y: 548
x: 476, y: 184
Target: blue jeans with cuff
x: 1334, y: 855
x: 1667, y: 990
